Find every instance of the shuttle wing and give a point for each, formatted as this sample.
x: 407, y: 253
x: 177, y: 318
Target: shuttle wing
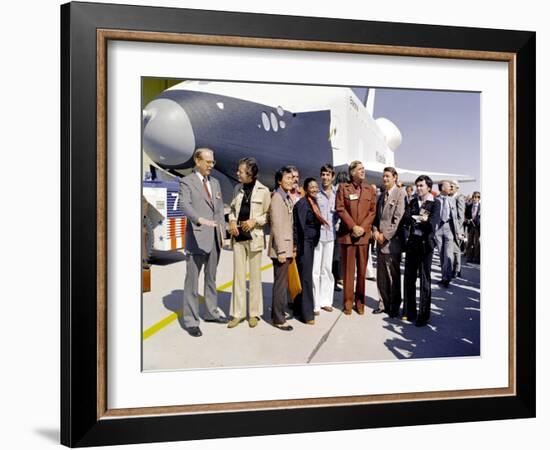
x: 408, y: 176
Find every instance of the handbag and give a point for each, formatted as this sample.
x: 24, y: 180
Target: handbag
x: 294, y: 283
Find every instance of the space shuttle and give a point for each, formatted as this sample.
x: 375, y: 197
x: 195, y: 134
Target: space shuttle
x: 279, y: 124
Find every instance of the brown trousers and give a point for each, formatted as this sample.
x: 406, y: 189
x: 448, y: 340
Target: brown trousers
x: 388, y: 281
x: 280, y: 294
x: 353, y: 255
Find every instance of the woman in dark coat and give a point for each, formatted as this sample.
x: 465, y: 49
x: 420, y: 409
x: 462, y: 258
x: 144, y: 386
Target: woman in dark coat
x: 307, y: 230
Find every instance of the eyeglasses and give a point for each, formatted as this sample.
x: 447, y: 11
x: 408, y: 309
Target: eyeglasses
x: 209, y: 162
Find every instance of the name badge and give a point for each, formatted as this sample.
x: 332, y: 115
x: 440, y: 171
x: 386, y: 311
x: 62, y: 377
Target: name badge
x: 354, y: 197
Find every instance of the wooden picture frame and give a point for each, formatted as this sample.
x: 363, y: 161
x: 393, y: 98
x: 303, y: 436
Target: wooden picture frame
x: 86, y: 28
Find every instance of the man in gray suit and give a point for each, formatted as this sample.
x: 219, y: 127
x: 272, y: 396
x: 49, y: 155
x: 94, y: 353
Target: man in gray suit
x: 387, y: 233
x: 460, y: 201
x: 447, y: 231
x: 201, y: 202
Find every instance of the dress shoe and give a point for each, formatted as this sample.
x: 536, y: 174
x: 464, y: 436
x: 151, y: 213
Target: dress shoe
x: 361, y: 311
x: 234, y: 322
x: 219, y: 319
x: 347, y: 312
x: 420, y: 323
x: 377, y: 311
x: 310, y: 322
x: 326, y: 308
x: 284, y: 327
x: 194, y: 331
x: 252, y: 322
x: 371, y: 278
x: 316, y: 313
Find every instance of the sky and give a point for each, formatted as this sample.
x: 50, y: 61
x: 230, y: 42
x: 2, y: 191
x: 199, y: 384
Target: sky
x: 440, y: 129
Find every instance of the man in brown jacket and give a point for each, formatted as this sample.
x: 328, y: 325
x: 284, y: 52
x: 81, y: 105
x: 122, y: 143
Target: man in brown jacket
x: 356, y: 206
x: 281, y: 244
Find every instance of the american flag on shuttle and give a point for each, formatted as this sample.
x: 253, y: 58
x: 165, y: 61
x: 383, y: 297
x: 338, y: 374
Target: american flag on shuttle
x: 175, y: 231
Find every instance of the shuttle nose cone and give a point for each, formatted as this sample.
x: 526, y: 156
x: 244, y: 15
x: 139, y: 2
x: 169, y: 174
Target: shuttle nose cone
x: 391, y: 133
x: 168, y: 136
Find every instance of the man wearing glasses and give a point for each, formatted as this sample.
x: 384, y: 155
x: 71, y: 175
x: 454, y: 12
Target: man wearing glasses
x: 201, y: 202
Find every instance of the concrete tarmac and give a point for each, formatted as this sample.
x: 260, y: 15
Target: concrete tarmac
x: 453, y: 331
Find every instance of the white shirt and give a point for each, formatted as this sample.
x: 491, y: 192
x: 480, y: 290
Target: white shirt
x: 429, y: 197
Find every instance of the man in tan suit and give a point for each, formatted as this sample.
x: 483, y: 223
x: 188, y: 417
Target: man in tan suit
x: 387, y: 233
x: 281, y: 244
x: 356, y: 206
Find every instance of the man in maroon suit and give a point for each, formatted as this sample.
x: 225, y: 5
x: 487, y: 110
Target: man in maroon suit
x: 356, y: 206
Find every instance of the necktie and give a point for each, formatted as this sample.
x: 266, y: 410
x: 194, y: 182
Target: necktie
x: 445, y: 209
x: 386, y: 195
x: 204, y: 183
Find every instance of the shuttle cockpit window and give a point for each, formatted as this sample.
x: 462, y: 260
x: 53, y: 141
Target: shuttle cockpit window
x: 265, y: 121
x: 274, y: 122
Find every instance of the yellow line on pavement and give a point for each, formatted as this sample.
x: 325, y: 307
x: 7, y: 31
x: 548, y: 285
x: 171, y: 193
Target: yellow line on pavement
x: 172, y: 317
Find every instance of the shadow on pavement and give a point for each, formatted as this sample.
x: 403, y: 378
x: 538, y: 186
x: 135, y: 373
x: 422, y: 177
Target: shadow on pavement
x: 454, y: 326
x: 174, y: 302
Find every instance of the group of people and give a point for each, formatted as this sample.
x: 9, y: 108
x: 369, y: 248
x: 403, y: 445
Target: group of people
x: 314, y: 225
